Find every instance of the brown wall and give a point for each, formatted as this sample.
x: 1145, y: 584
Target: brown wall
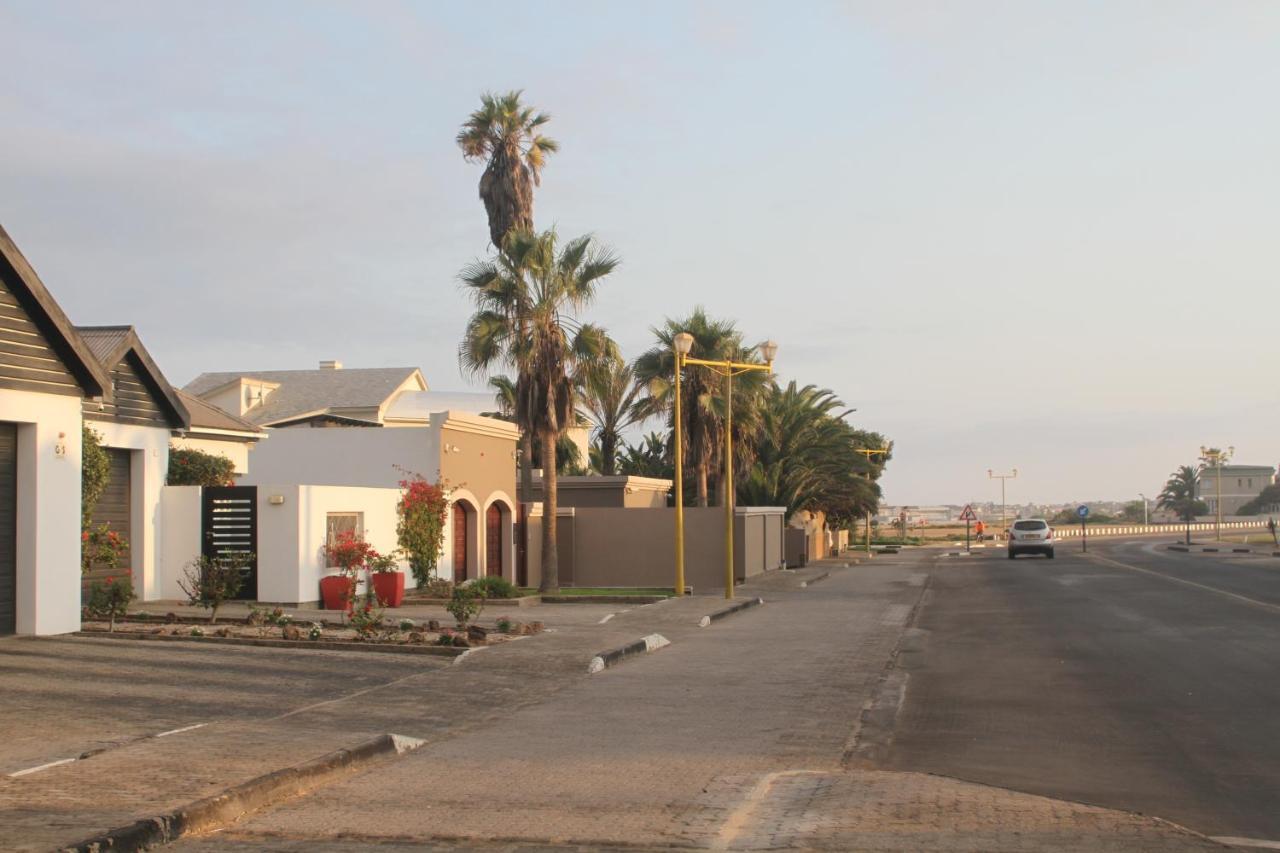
x: 636, y: 547
x: 797, y: 548
x: 565, y: 550
x: 484, y: 466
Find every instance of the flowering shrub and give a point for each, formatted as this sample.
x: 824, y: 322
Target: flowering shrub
x: 110, y: 597
x: 351, y: 554
x: 422, y: 511
x: 383, y: 562
x: 367, y: 621
x: 465, y: 605
x: 102, y: 547
x: 210, y: 581
x: 197, y: 468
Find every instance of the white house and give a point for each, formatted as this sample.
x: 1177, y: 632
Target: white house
x: 46, y: 373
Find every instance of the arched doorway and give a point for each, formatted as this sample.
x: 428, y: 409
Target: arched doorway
x: 461, y: 551
x: 493, y: 541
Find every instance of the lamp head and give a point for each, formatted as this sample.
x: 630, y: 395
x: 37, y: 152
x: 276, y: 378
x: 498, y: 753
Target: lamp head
x: 769, y: 349
x: 683, y: 343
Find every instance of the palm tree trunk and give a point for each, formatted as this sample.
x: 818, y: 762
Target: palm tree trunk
x: 550, y: 553
x: 608, y: 455
x: 526, y: 467
x: 702, y: 484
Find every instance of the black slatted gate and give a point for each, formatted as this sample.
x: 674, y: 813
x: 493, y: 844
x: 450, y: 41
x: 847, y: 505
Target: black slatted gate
x: 229, y: 519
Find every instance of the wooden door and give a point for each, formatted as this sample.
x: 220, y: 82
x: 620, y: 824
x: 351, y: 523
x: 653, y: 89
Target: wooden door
x: 493, y: 541
x: 459, y: 542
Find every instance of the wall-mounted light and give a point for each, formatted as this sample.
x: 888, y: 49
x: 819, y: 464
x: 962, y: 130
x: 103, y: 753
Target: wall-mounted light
x: 275, y: 500
x: 60, y: 446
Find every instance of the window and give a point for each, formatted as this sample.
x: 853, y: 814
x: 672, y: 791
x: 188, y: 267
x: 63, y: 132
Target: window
x: 338, y: 523
x: 1029, y: 525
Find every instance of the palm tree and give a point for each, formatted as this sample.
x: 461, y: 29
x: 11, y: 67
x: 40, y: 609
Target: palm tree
x: 1179, y: 495
x: 612, y: 400
x: 526, y: 302
x: 650, y: 458
x: 508, y: 135
x: 701, y: 389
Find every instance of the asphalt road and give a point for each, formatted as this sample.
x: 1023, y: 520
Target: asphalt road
x: 1133, y: 678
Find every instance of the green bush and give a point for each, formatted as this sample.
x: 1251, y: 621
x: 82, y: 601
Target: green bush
x: 465, y: 605
x: 197, y: 468
x: 95, y: 470
x: 109, y: 598
x: 494, y: 587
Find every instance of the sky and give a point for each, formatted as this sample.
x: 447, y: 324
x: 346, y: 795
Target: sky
x: 1032, y: 235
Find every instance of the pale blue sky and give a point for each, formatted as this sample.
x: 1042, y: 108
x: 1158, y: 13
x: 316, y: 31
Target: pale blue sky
x: 1025, y: 234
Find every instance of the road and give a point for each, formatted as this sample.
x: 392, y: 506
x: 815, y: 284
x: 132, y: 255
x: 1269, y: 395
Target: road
x: 1133, y: 677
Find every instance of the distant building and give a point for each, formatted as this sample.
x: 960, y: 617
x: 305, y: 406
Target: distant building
x: 1240, y: 484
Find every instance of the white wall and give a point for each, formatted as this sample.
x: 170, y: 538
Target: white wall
x: 149, y: 448
x: 354, y: 456
x: 48, y: 577
x: 291, y: 535
x: 236, y: 451
x: 180, y: 537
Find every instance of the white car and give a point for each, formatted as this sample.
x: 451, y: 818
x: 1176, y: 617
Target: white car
x: 1031, y: 536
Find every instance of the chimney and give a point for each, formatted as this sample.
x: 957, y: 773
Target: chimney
x: 330, y: 365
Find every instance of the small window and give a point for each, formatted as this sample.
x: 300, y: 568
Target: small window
x: 1029, y: 525
x: 338, y: 523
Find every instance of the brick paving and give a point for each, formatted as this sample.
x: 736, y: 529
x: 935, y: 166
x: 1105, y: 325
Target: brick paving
x: 694, y: 746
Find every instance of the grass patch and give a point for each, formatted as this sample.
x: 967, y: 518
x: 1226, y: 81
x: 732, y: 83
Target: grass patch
x: 614, y: 590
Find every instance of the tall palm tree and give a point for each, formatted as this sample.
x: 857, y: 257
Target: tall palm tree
x: 1179, y: 495
x: 701, y: 390
x: 508, y: 135
x: 650, y: 458
x: 612, y: 400
x: 527, y: 301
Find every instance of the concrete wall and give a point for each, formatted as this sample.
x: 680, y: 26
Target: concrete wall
x: 601, y: 491
x: 344, y: 457
x: 180, y: 537
x: 614, y: 546
x: 797, y: 547
x: 48, y: 517
x: 149, y: 467
x: 566, y: 543
x: 236, y: 451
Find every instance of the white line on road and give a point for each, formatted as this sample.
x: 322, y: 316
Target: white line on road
x: 736, y: 821
x: 1246, y: 599
x: 183, y: 729
x: 41, y: 767
x: 1246, y: 842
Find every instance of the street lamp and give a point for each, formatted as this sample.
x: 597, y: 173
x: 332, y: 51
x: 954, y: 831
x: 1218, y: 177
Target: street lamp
x: 869, y: 452
x: 683, y: 344
x: 1215, y: 457
x: 1004, y: 519
x: 1144, y: 509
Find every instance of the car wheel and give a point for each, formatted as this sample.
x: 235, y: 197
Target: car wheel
x: 1012, y: 555
x: 1049, y: 555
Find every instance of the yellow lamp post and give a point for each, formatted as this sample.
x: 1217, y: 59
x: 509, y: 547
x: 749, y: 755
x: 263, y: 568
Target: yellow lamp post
x: 1212, y: 457
x: 869, y: 452
x: 683, y: 344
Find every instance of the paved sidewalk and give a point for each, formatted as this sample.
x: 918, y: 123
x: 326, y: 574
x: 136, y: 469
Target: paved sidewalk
x: 420, y: 697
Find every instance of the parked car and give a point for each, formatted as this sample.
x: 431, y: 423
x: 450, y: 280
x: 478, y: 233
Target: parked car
x: 1031, y: 536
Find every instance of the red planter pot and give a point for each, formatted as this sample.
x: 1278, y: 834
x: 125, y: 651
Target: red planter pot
x: 389, y: 588
x: 334, y: 591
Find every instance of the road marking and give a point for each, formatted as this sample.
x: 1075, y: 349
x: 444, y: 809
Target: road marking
x: 30, y: 770
x: 1246, y: 842
x: 1255, y: 602
x: 183, y: 729
x: 734, y: 824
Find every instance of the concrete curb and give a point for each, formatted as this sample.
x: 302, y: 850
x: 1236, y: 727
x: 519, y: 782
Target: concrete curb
x: 604, y: 599
x: 270, y: 642
x: 730, y: 610
x: 613, y: 657
x: 1183, y: 548
x: 811, y: 581
x: 1241, y: 550
x: 234, y: 803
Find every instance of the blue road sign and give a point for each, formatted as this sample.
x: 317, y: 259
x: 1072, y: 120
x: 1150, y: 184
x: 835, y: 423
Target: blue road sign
x: 1082, y: 511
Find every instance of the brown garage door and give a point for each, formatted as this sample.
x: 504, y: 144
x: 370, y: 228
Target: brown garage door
x: 459, y: 542
x: 493, y: 541
x: 8, y: 527
x: 113, y: 508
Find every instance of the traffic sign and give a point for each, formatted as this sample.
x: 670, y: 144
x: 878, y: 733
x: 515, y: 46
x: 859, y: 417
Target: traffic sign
x: 968, y: 514
x: 1082, y: 511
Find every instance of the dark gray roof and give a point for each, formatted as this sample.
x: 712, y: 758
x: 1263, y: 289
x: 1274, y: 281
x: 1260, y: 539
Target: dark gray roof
x: 311, y: 391
x: 208, y: 416
x: 110, y: 344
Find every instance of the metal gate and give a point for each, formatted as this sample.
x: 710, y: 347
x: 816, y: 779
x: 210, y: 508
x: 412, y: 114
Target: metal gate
x: 229, y: 520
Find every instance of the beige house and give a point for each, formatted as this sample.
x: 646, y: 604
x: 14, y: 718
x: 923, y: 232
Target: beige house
x: 1240, y: 484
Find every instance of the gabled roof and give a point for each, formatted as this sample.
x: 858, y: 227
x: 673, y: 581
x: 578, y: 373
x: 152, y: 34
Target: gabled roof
x: 110, y: 344
x: 206, y: 416
x: 305, y: 392
x: 71, y: 348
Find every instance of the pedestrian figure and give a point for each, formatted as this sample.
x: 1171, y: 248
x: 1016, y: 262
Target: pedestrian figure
x: 978, y: 529
x: 1271, y: 526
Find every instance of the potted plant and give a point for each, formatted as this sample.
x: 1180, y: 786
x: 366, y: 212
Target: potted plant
x: 350, y: 554
x: 386, y: 578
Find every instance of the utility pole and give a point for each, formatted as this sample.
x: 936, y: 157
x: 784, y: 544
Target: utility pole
x: 1004, y: 513
x: 1144, y: 509
x: 869, y: 452
x: 1215, y: 457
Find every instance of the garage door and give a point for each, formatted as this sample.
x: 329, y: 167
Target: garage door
x: 113, y: 509
x: 8, y: 527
